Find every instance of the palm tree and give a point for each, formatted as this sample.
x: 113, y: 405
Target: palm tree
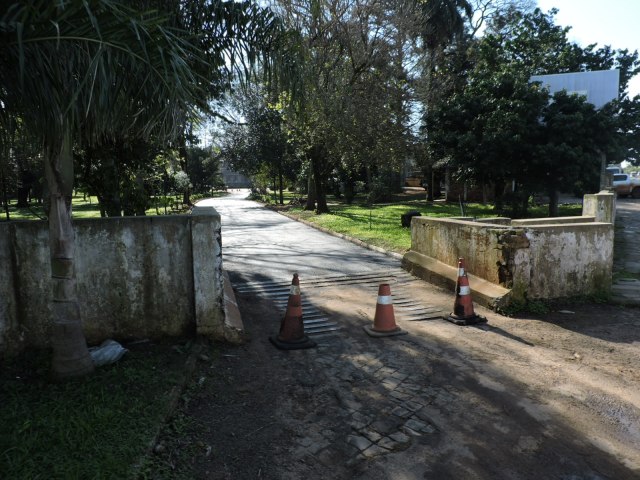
x: 88, y: 70
x: 442, y: 20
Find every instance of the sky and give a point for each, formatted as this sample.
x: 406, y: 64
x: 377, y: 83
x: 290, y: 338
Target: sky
x: 613, y: 22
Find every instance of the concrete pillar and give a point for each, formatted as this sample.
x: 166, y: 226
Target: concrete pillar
x: 207, y: 272
x: 601, y: 205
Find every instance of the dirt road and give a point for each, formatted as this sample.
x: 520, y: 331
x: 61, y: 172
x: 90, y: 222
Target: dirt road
x: 518, y: 398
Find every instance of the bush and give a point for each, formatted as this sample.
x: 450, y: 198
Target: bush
x: 379, y: 191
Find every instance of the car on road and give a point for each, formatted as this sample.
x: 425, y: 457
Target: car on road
x: 624, y: 185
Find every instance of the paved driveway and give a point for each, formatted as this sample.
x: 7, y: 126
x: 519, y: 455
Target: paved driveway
x: 626, y: 264
x: 259, y: 245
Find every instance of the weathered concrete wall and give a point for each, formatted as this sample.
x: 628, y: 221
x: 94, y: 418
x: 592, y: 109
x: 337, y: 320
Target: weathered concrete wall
x: 601, y: 206
x: 8, y: 304
x: 564, y: 260
x: 534, y: 259
x: 525, y: 222
x: 206, y: 267
x: 138, y: 277
x: 134, y: 276
x: 446, y: 240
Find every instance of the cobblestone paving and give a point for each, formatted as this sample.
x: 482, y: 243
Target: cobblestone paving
x: 377, y: 398
x: 626, y: 264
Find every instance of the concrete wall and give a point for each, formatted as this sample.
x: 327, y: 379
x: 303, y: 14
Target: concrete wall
x: 601, y: 206
x: 446, y: 240
x: 530, y: 259
x: 137, y: 277
x: 564, y: 261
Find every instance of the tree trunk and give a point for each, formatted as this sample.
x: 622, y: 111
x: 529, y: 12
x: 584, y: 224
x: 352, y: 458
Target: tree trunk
x: 430, y: 178
x: 525, y: 204
x: 103, y: 212
x: 5, y: 195
x: 485, y: 192
x: 311, y: 192
x: 140, y: 195
x: 186, y: 197
x: 316, y: 165
x: 280, y: 180
x: 110, y: 186
x: 553, y: 202
x: 23, y: 197
x: 275, y: 190
x: 70, y: 353
x: 349, y: 190
x: 498, y: 192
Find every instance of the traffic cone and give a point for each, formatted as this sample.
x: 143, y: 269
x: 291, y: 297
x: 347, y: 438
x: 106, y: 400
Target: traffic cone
x: 291, y: 336
x: 463, y: 313
x: 384, y: 322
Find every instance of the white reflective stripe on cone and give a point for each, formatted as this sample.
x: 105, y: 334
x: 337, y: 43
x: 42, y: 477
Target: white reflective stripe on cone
x: 461, y: 272
x: 465, y: 290
x: 384, y: 300
x: 295, y: 290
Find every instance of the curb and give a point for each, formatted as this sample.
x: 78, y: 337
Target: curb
x: 174, y: 399
x: 355, y: 241
x: 625, y: 292
x: 234, y: 332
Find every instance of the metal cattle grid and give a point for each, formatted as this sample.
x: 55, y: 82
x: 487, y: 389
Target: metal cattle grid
x: 316, y: 323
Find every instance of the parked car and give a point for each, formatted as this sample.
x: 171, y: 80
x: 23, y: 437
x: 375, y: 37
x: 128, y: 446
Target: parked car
x: 614, y: 169
x: 624, y: 185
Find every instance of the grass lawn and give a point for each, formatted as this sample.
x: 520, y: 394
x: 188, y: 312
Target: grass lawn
x: 88, y: 207
x: 95, y: 427
x: 380, y: 224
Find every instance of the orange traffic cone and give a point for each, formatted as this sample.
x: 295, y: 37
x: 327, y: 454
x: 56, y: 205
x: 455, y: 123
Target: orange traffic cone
x: 463, y: 313
x: 291, y: 336
x: 384, y: 322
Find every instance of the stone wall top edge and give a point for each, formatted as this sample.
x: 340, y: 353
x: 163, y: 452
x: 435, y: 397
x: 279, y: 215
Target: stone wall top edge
x: 553, y: 221
x: 205, y: 212
x: 467, y: 223
x: 180, y: 218
x: 568, y: 226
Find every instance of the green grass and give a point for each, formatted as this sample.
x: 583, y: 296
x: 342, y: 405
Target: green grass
x: 380, y: 224
x: 91, y: 428
x: 88, y: 207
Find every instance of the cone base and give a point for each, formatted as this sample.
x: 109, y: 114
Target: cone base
x: 472, y: 320
x: 389, y: 333
x: 302, y: 343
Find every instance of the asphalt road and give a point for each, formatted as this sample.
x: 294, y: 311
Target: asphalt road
x: 280, y: 246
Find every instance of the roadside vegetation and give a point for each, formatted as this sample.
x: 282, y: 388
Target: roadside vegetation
x: 395, y: 98
x: 379, y: 224
x: 98, y: 427
x: 86, y: 206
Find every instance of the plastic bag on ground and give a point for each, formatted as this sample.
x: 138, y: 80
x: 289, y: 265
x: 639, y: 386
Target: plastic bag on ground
x: 107, y: 353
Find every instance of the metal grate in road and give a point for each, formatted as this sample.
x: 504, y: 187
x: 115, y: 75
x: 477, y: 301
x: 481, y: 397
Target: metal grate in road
x: 317, y: 323
x: 373, y: 278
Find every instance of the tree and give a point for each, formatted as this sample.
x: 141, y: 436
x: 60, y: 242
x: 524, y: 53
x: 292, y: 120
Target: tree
x: 116, y: 172
x: 487, y: 132
x: 629, y: 128
x: 486, y: 11
x: 20, y: 165
x: 107, y: 61
x: 353, y: 114
x: 496, y: 126
x: 204, y: 169
x: 92, y: 69
x: 572, y: 135
x: 258, y: 146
